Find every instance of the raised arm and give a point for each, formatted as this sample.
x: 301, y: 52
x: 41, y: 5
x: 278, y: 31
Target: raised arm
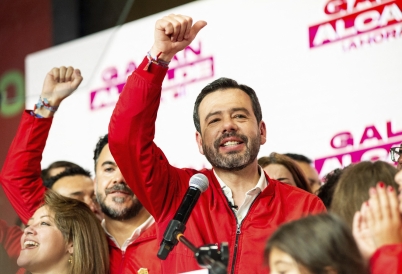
x: 132, y: 126
x: 20, y: 176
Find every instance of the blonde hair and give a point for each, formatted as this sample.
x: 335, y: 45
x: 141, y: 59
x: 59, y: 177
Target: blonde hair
x: 79, y: 226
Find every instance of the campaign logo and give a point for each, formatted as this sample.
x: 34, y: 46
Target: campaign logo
x: 187, y: 67
x: 371, y: 146
x: 358, y: 23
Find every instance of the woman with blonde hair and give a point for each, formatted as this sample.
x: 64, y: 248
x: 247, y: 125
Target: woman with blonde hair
x: 64, y: 236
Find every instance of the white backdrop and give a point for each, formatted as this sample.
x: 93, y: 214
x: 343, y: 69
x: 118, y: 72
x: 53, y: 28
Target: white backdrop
x: 325, y: 72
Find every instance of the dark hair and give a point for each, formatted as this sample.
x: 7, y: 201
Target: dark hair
x: 223, y: 84
x: 299, y: 158
x: 294, y: 169
x: 354, y: 184
x: 317, y: 243
x: 45, y: 173
x: 68, y: 172
x: 103, y: 141
x: 326, y: 191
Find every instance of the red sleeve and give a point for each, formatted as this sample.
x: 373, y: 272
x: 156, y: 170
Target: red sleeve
x: 387, y: 259
x: 317, y: 206
x: 131, y: 134
x: 10, y: 237
x: 20, y: 176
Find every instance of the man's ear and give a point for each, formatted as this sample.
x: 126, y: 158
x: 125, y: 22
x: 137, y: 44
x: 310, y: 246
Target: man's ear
x: 198, y: 138
x: 263, y: 133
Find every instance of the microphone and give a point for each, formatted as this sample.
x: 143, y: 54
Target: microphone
x: 198, y: 184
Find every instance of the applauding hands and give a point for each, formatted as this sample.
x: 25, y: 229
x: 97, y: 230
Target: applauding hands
x: 379, y: 221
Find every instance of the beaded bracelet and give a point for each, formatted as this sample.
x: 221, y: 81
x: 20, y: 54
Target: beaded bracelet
x: 156, y: 61
x: 45, y: 104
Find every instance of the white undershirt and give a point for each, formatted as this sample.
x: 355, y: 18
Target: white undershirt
x: 242, y: 210
x: 137, y: 232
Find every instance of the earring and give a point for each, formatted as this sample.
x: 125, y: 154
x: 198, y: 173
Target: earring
x: 70, y: 260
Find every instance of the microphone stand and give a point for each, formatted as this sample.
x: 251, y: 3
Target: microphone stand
x: 208, y: 255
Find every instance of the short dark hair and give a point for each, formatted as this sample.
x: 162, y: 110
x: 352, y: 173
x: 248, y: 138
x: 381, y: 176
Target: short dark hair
x: 318, y: 242
x: 68, y: 172
x: 326, y: 191
x: 103, y: 141
x: 45, y: 173
x: 222, y: 84
x: 299, y: 158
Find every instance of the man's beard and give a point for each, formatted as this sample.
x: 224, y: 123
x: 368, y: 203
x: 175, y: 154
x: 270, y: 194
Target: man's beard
x: 119, y: 214
x: 233, y: 161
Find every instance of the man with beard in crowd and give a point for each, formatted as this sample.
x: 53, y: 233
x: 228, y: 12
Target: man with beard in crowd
x: 130, y: 229
x: 242, y: 205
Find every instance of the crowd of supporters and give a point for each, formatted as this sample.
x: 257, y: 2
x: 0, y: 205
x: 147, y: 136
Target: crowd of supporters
x: 275, y: 213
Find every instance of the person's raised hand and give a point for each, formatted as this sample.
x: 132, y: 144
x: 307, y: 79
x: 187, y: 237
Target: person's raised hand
x: 362, y: 233
x: 59, y: 84
x: 172, y: 34
x: 383, y: 217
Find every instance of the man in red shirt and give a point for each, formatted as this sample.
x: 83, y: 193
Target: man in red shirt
x: 242, y: 205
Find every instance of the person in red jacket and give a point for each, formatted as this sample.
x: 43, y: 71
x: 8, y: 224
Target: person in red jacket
x: 242, y: 205
x: 130, y: 228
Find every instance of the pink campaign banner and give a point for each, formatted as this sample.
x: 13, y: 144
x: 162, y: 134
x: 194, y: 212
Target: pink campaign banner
x: 378, y: 16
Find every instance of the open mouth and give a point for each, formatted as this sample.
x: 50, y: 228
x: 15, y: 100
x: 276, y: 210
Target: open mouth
x: 30, y: 244
x: 230, y: 143
x: 230, y: 140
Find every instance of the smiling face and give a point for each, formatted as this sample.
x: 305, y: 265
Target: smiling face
x: 115, y: 198
x: 280, y: 173
x: 43, y: 247
x: 230, y: 136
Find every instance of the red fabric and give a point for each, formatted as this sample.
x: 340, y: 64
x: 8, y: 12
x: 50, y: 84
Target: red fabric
x: 140, y: 254
x: 20, y: 176
x: 387, y: 259
x: 10, y: 239
x: 23, y: 186
x: 160, y: 186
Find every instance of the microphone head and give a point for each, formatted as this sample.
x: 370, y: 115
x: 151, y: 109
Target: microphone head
x: 199, y: 181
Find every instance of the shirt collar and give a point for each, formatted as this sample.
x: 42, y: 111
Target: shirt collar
x: 261, y: 184
x: 134, y: 236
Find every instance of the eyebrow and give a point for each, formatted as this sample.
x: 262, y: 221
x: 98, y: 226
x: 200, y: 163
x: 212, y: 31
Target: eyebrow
x: 40, y: 217
x: 231, y: 110
x: 77, y: 193
x: 212, y: 114
x: 108, y: 163
x: 283, y: 262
